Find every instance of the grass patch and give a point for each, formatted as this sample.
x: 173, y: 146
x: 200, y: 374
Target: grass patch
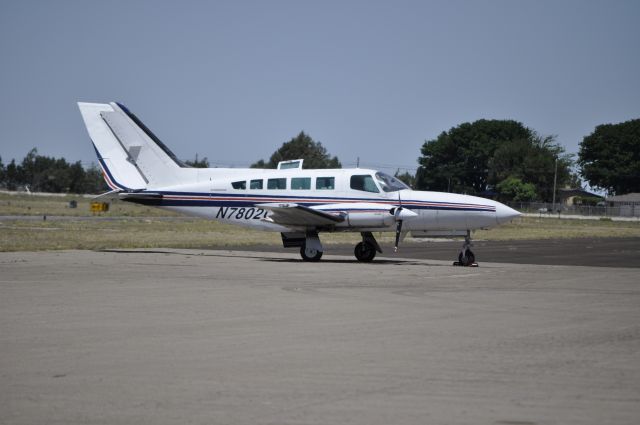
x: 554, y: 228
x: 135, y: 226
x: 139, y: 233
x: 23, y: 204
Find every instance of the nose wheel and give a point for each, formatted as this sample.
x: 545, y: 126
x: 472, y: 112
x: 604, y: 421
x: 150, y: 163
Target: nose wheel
x: 466, y: 257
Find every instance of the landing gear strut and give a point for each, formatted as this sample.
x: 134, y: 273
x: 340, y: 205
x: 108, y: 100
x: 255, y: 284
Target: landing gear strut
x: 466, y: 257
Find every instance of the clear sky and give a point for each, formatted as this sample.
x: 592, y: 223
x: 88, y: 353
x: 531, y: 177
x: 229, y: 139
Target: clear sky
x: 233, y: 80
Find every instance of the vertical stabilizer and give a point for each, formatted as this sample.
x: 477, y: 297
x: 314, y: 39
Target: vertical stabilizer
x: 131, y: 156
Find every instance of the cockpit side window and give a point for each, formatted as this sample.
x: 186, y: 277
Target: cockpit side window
x: 389, y: 183
x: 364, y: 182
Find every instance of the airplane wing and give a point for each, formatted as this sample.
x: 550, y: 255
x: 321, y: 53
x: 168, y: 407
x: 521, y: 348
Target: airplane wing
x: 300, y: 216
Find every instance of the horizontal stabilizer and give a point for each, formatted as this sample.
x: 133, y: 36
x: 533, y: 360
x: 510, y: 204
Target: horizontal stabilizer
x: 113, y: 194
x: 139, y: 195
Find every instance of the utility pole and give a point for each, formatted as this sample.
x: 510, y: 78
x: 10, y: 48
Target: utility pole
x: 555, y: 179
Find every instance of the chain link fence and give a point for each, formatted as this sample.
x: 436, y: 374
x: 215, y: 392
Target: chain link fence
x: 630, y: 210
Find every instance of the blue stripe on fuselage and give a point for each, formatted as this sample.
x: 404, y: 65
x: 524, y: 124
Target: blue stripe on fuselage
x: 249, y: 200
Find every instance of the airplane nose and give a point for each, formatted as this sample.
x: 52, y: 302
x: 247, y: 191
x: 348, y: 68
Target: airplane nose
x: 505, y: 213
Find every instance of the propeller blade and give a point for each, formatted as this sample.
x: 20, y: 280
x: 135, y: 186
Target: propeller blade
x: 398, y: 213
x: 398, y: 232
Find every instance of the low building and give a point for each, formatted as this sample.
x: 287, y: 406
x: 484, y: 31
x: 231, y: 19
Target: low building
x: 629, y: 204
x: 567, y: 196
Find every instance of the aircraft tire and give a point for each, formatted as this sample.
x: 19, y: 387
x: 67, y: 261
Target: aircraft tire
x: 364, y: 252
x: 310, y: 255
x: 467, y: 259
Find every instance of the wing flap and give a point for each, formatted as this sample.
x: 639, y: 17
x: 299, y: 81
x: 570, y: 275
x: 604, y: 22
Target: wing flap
x: 300, y: 216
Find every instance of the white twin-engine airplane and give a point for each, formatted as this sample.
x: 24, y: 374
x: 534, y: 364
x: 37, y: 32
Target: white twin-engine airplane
x: 296, y: 202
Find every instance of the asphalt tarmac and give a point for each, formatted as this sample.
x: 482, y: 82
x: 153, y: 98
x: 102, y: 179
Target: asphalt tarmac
x: 594, y: 252
x: 228, y: 337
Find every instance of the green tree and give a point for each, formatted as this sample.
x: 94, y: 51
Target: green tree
x: 260, y: 164
x: 532, y: 161
x: 2, y: 172
x: 301, y: 147
x: 474, y: 157
x: 77, y: 178
x: 94, y: 180
x: 609, y: 157
x: 12, y: 176
x: 513, y: 189
x: 202, y: 163
x: 458, y: 160
x: 406, y: 177
x: 48, y: 174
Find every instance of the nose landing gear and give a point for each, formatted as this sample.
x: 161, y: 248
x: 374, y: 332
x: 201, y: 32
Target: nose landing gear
x: 466, y: 258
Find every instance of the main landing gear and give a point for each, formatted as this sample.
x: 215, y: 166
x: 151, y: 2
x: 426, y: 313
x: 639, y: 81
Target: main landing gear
x: 365, y: 251
x: 311, y: 247
x: 466, y: 257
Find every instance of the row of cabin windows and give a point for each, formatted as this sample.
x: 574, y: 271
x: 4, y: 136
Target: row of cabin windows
x: 297, y: 183
x: 362, y: 182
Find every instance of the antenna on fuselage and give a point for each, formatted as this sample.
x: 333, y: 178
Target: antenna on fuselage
x: 358, y: 162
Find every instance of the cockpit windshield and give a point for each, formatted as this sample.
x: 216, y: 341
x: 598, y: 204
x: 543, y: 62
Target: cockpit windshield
x: 389, y: 183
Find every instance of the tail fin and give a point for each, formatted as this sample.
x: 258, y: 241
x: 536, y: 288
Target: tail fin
x: 130, y: 155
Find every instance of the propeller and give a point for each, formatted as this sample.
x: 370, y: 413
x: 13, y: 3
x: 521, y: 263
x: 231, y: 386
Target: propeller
x: 399, y: 220
x: 401, y: 214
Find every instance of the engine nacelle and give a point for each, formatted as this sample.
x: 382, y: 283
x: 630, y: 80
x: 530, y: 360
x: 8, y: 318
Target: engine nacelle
x: 378, y: 218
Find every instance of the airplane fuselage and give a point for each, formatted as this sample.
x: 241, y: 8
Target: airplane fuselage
x: 235, y: 196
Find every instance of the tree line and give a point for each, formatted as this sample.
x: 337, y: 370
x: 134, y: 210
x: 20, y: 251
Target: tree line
x: 40, y: 173
x: 503, y: 159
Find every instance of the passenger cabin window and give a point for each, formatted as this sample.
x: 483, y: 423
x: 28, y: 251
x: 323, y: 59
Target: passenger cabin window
x: 389, y: 183
x: 364, y: 183
x: 325, y: 183
x: 239, y: 185
x: 277, y: 184
x: 255, y: 184
x: 301, y: 183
